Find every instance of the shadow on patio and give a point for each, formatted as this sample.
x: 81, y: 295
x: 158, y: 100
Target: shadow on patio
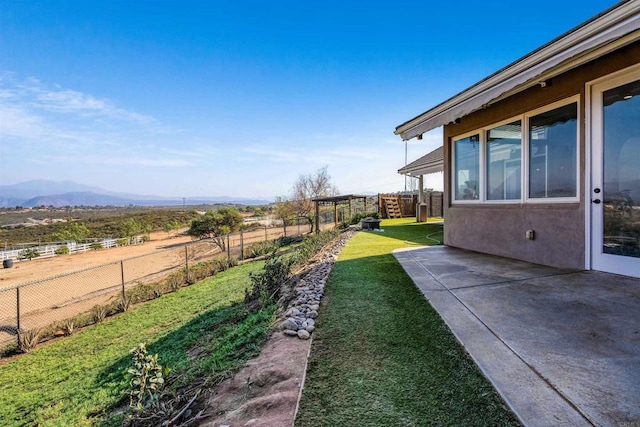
x: 562, y: 347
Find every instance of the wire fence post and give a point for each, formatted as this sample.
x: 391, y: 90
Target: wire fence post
x: 124, y: 296
x: 186, y: 263
x: 18, y: 314
x: 241, y: 246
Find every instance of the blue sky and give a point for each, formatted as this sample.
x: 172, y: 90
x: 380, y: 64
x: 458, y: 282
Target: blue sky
x: 210, y: 98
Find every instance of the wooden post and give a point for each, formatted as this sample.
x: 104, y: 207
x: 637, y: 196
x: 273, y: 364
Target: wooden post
x: 186, y: 262
x: 18, y: 314
x: 241, y: 246
x: 124, y: 296
x: 335, y: 214
x: 266, y: 237
x: 228, y: 249
x: 317, y: 218
x: 365, y: 204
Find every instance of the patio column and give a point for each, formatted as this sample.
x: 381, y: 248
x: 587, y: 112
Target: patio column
x: 421, y: 189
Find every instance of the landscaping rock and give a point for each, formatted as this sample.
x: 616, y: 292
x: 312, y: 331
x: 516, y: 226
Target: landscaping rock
x: 304, y: 335
x: 290, y: 324
x: 303, y: 309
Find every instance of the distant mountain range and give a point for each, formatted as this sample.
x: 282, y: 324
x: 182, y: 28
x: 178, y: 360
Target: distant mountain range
x: 69, y: 193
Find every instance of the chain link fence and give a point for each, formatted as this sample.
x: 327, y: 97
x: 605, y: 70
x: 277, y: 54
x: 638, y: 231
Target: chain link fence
x: 52, y: 300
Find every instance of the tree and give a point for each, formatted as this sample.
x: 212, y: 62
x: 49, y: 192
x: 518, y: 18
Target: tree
x: 215, y: 225
x: 309, y: 187
x: 72, y: 231
x: 284, y: 210
x: 131, y: 228
x: 172, y: 226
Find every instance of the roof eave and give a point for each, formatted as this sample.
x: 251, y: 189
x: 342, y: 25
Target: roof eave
x: 618, y: 26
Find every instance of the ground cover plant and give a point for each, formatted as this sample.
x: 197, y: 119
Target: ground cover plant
x: 200, y: 333
x: 381, y: 354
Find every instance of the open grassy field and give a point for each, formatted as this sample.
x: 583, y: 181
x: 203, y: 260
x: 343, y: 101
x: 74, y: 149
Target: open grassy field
x: 381, y: 355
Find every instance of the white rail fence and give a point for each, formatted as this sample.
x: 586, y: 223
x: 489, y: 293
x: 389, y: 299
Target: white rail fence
x: 49, y: 250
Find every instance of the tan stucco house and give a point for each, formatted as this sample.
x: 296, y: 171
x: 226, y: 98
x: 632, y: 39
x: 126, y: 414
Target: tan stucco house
x: 542, y: 158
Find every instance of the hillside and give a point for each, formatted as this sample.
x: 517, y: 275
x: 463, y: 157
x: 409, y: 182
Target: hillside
x: 69, y: 193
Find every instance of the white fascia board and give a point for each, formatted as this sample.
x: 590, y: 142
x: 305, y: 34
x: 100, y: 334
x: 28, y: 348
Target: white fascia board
x: 423, y: 170
x: 603, y: 35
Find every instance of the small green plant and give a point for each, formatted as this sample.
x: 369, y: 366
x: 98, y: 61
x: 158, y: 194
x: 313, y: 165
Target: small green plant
x: 28, y: 339
x: 62, y: 250
x: 191, y: 278
x: 29, y: 254
x: 124, y: 303
x: 99, y: 313
x: 68, y: 326
x: 122, y: 242
x: 257, y: 249
x: 96, y: 246
x: 174, y: 283
x: 267, y: 282
x: 147, y: 379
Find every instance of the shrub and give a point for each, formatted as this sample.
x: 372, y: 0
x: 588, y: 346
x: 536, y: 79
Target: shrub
x: 27, y: 340
x: 311, y: 244
x: 99, y: 313
x: 124, y: 303
x: 96, y: 246
x: 174, y: 282
x: 68, y: 326
x: 147, y: 378
x: 122, y: 242
x: 287, y: 240
x: 29, y: 254
x: 257, y: 249
x: 267, y: 282
x: 62, y: 250
x: 355, y: 219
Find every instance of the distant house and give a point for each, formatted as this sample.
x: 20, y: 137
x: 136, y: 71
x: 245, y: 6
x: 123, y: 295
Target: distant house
x: 542, y: 158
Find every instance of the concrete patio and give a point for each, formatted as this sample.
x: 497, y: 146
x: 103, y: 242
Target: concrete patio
x: 562, y: 347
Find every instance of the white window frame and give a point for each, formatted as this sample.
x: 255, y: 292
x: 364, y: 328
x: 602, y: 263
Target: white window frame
x: 524, y: 159
x: 480, y: 168
x: 527, y: 117
x: 522, y: 148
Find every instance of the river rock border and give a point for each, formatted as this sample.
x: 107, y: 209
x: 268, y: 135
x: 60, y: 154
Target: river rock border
x: 302, y: 311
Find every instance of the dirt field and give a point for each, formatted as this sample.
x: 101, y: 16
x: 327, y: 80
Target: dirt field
x: 97, y: 276
x: 36, y: 269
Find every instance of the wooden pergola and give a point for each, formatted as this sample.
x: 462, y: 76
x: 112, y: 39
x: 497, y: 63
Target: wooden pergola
x: 335, y: 201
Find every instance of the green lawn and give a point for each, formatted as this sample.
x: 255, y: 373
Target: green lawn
x: 381, y: 355
x: 199, y: 331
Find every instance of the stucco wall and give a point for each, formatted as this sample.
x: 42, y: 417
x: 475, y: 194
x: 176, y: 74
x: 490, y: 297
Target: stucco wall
x: 559, y: 228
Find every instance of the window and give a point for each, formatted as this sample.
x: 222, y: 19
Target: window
x: 504, y: 158
x: 553, y: 153
x: 467, y: 168
x: 529, y: 158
